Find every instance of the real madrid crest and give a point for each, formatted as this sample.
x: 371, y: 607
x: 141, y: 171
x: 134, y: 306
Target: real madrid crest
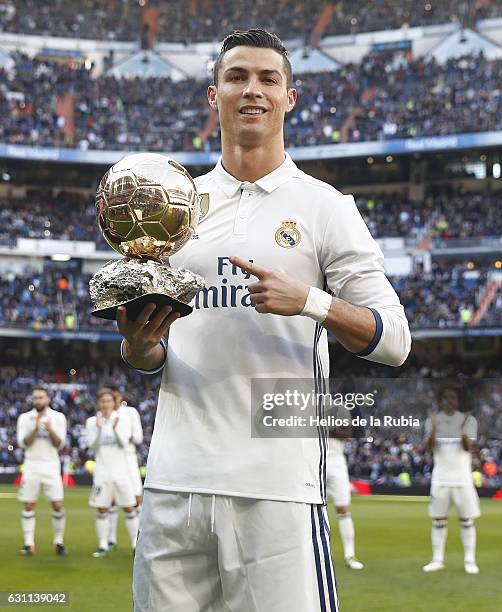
x: 288, y: 236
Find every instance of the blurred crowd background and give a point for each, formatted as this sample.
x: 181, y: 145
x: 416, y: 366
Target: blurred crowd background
x: 440, y: 212
x: 399, y: 460
x: 120, y: 19
x: 383, y: 99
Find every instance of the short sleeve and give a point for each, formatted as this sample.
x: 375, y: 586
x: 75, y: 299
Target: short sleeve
x: 137, y: 428
x: 91, y: 432
x: 21, y: 431
x: 428, y: 427
x: 470, y: 428
x: 59, y: 427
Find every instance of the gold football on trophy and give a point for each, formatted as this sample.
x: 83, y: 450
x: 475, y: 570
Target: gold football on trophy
x: 147, y: 206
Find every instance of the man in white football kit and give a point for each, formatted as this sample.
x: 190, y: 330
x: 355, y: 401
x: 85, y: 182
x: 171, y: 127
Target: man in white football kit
x: 132, y: 416
x: 338, y: 488
x: 107, y: 437
x: 41, y: 432
x: 450, y: 435
x: 232, y: 523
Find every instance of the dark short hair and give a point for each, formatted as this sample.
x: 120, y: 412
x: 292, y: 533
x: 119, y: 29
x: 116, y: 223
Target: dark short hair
x: 103, y: 391
x: 41, y: 388
x: 255, y: 37
x: 446, y: 388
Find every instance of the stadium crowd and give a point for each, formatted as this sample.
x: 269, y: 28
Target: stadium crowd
x: 447, y: 296
x: 52, y: 299
x: 385, y: 459
x: 401, y: 462
x: 57, y: 298
x: 199, y: 21
x: 376, y: 100
x: 444, y: 214
x: 60, y: 216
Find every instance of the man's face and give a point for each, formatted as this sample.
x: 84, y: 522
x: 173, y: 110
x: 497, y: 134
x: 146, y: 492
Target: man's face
x: 449, y: 401
x: 40, y: 400
x: 106, y: 403
x: 252, y: 95
x: 117, y: 396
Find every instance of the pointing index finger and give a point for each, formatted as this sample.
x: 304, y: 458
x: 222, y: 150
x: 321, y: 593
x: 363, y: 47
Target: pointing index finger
x: 252, y: 268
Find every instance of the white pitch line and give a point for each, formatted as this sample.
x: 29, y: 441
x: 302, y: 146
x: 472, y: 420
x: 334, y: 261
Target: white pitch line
x: 8, y: 495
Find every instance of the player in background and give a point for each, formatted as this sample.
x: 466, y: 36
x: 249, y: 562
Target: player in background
x: 338, y: 482
x: 338, y: 488
x: 132, y: 416
x: 107, y: 437
x: 450, y: 435
x: 41, y: 432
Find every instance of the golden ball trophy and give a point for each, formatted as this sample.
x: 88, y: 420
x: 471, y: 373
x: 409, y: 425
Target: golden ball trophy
x: 148, y: 208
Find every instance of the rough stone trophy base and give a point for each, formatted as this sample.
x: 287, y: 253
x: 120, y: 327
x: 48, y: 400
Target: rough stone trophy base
x: 135, y: 283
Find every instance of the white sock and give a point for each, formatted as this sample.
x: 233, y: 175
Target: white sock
x: 58, y: 525
x: 102, y: 526
x: 28, y: 526
x: 346, y: 528
x: 113, y: 513
x: 468, y: 535
x: 131, y: 522
x: 438, y: 538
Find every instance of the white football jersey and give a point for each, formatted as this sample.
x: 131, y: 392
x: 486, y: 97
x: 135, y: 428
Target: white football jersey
x: 287, y: 222
x: 132, y: 416
x: 41, y: 454
x: 452, y: 464
x: 109, y: 445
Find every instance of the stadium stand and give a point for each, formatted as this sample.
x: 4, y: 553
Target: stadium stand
x: 58, y: 298
x: 382, y: 460
x: 199, y: 21
x: 447, y: 296
x: 42, y: 214
x: 360, y: 16
x: 383, y: 97
x: 52, y: 299
x: 445, y: 214
x: 376, y: 100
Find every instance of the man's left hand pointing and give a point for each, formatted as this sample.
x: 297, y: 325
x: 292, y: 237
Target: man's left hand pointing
x: 274, y: 293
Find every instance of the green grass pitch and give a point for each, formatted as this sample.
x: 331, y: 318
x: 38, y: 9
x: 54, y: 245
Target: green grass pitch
x: 392, y: 539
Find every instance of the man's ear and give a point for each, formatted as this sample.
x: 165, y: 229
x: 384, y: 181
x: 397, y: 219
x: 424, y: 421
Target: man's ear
x: 292, y: 96
x: 212, y: 97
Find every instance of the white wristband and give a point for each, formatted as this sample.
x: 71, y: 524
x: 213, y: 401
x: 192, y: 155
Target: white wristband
x: 317, y: 305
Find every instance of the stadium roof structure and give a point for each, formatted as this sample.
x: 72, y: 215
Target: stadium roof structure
x: 305, y: 60
x: 146, y: 64
x: 464, y: 42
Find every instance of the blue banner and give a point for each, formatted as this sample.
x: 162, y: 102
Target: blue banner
x: 113, y: 336
x: 51, y: 334
x: 209, y: 158
x: 395, y: 45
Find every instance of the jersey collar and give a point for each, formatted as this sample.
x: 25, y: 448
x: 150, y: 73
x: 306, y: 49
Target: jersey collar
x: 230, y: 185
